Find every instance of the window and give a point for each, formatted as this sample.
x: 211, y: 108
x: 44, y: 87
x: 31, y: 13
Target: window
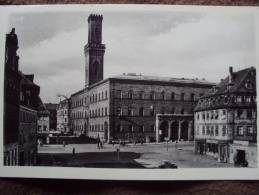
x: 172, y: 110
x: 216, y: 130
x: 250, y: 130
x: 163, y: 95
x: 131, y: 128
x: 152, y: 128
x: 141, y: 95
x: 102, y: 95
x: 106, y: 113
x: 203, y: 115
x: 197, y: 130
x: 119, y: 111
x: 207, y: 115
x: 211, y: 115
x: 216, y: 114
x: 224, y: 129
x: 106, y: 94
x: 119, y: 94
x: 141, y: 111
x: 119, y: 128
x: 208, y: 130
x: 152, y: 95
x: 198, y: 116
x: 248, y: 99
x: 182, y: 96
x: 102, y: 111
x: 130, y: 94
x: 249, y: 84
x: 203, y: 130
x: 239, y: 113
x: 249, y: 114
x: 182, y: 111
x: 239, y: 99
x: 240, y: 131
x: 141, y: 128
x: 172, y: 96
x: 152, y: 112
x: 192, y: 96
x: 163, y: 110
x: 130, y: 112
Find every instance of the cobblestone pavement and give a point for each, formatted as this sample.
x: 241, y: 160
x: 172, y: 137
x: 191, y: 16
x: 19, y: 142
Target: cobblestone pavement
x: 151, y: 155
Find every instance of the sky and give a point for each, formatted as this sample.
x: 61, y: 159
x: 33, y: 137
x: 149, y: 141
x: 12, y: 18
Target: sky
x: 174, y: 44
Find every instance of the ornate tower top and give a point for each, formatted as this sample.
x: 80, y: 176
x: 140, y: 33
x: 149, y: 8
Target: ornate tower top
x: 94, y: 51
x: 11, y: 46
x: 95, y: 29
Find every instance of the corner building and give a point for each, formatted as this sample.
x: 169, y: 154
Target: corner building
x: 225, y: 119
x: 131, y: 107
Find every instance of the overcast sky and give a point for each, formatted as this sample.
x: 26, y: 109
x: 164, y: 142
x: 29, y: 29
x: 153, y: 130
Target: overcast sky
x: 174, y: 44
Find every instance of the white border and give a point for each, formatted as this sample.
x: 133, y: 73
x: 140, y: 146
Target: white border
x: 121, y: 174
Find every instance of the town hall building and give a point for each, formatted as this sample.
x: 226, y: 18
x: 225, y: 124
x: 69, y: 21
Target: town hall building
x: 131, y: 107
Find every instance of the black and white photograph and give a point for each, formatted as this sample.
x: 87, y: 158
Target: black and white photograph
x: 130, y: 88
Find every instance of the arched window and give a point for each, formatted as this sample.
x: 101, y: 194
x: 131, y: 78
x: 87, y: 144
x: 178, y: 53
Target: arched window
x: 182, y: 96
x: 152, y: 95
x: 163, y: 95
x: 141, y: 95
x: 152, y: 111
x: 130, y: 111
x: 130, y: 94
x: 152, y: 128
x: 130, y: 128
x: 141, y: 128
x: 192, y: 97
x: 141, y: 111
x: 182, y: 111
x: 172, y: 96
x: 163, y: 110
x: 119, y: 129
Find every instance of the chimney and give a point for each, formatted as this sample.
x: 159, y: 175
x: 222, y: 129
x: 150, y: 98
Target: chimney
x: 231, y: 75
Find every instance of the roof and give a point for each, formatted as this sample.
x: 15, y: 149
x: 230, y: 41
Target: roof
x: 158, y: 79
x: 224, y: 94
x: 225, y: 86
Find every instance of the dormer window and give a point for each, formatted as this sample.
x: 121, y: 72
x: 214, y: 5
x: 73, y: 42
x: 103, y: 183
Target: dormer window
x: 249, y: 84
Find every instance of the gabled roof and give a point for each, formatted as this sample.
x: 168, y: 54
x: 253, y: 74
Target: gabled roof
x: 233, y: 86
x: 225, y: 93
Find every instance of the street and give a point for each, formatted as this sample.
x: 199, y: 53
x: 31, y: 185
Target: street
x: 129, y: 156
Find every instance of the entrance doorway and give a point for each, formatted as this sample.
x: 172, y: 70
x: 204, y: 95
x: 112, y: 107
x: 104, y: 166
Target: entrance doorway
x: 184, y: 131
x: 241, y: 157
x: 163, y: 130
x: 174, y: 131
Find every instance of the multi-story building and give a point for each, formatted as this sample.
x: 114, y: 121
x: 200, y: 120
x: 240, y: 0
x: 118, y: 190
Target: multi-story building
x: 29, y: 105
x: 63, y: 116
x: 225, y: 119
x: 43, y: 121
x: 21, y: 101
x: 131, y: 107
x: 52, y: 109
x: 12, y: 80
x: 79, y: 113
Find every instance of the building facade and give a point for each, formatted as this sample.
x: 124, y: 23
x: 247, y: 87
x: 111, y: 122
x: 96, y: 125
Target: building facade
x: 12, y: 81
x: 79, y: 113
x: 52, y: 109
x: 225, y: 119
x: 63, y: 116
x: 43, y: 121
x: 29, y: 106
x: 131, y: 107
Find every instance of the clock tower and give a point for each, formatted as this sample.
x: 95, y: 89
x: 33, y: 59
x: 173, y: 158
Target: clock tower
x: 94, y: 51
